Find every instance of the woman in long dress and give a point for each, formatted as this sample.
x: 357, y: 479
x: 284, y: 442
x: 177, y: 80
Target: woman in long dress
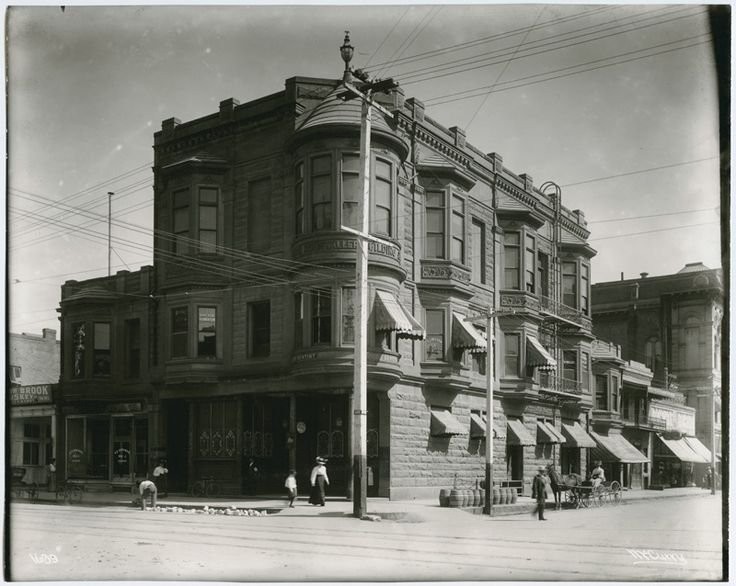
x: 318, y: 479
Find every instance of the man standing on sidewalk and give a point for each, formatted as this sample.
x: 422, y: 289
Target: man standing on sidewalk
x: 160, y: 477
x: 539, y: 493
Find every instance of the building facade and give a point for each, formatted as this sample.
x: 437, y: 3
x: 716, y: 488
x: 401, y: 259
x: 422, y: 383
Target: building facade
x: 236, y: 347
x: 33, y: 369
x: 672, y: 324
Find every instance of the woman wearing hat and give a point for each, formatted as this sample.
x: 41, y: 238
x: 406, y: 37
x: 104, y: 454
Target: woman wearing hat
x: 318, y: 479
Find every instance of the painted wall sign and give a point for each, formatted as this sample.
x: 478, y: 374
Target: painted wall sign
x: 30, y: 394
x: 76, y: 456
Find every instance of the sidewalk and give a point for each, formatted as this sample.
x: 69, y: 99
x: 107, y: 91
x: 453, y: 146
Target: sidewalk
x: 407, y: 511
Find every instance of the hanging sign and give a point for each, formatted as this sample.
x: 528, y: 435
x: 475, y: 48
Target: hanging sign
x: 30, y: 394
x: 301, y: 427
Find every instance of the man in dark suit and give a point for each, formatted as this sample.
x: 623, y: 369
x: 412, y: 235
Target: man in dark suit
x: 539, y: 492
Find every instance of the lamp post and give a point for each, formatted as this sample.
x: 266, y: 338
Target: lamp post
x: 360, y: 372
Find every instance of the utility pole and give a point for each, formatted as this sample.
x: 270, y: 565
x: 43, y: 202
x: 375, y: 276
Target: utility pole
x: 713, y: 440
x: 109, y: 230
x: 360, y: 375
x: 490, y: 358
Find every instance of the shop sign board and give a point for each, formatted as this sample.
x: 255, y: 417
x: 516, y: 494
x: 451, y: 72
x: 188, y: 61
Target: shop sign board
x: 30, y: 394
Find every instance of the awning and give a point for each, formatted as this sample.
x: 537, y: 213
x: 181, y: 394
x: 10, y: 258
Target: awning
x: 697, y: 446
x: 518, y: 434
x: 465, y: 336
x: 682, y: 451
x: 477, y: 425
x: 547, y: 434
x: 537, y: 355
x: 390, y: 315
x: 616, y: 448
x: 444, y: 423
x: 577, y: 437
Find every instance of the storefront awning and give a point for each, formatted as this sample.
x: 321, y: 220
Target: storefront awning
x: 444, y: 423
x: 537, y: 355
x: 477, y: 426
x: 616, y: 448
x: 547, y: 434
x: 682, y: 451
x: 465, y: 336
x: 697, y: 446
x: 518, y: 434
x: 577, y: 437
x: 390, y: 315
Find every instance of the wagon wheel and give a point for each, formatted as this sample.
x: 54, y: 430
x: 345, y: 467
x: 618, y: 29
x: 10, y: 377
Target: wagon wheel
x: 75, y: 494
x: 570, y: 496
x: 615, y: 492
x: 597, y: 495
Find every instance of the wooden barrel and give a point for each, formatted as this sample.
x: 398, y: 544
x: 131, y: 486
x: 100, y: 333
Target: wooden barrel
x: 481, y: 498
x: 467, y: 497
x: 496, y: 496
x: 509, y: 495
x: 455, y: 499
x: 445, y: 497
x: 514, y: 496
x: 502, y: 496
x: 476, y: 497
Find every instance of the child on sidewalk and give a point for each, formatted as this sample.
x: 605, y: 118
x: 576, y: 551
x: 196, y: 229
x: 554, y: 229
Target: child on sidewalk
x: 290, y: 485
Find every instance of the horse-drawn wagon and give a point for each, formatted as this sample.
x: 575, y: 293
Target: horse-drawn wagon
x: 579, y: 492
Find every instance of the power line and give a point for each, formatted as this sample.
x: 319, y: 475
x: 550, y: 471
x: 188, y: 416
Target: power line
x: 652, y: 231
x: 652, y: 215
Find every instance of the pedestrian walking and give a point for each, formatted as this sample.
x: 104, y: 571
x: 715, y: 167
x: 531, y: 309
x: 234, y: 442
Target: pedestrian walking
x: 51, y: 475
x: 147, y: 489
x: 539, y: 493
x: 290, y: 485
x: 318, y: 479
x: 161, y: 478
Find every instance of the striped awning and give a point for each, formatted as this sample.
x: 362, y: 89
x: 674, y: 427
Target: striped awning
x: 537, y: 355
x: 616, y: 448
x: 444, y: 423
x: 390, y: 315
x: 518, y: 434
x: 682, y: 451
x: 698, y: 447
x: 547, y: 434
x: 465, y: 336
x: 576, y: 436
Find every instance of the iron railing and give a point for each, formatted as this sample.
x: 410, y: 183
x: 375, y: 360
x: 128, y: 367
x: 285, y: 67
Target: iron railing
x: 561, y: 310
x: 551, y: 382
x: 645, y: 421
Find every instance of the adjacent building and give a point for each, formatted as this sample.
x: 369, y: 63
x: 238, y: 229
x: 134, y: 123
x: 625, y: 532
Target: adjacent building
x: 237, y: 344
x: 670, y: 324
x: 33, y: 376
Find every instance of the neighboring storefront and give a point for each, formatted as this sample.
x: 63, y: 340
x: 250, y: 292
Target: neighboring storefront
x: 32, y: 430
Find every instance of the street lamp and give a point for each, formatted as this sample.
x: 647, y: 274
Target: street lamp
x: 346, y: 52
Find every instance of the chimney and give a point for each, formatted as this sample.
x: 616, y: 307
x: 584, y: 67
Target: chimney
x: 622, y: 275
x: 643, y: 275
x: 49, y: 334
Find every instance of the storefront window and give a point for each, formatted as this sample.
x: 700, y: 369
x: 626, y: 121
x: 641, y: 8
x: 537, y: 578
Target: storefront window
x: 31, y: 444
x: 121, y: 447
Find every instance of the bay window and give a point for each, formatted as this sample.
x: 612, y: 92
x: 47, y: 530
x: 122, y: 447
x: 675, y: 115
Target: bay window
x: 529, y: 258
x: 512, y: 260
x: 321, y: 317
x: 208, y: 204
x: 321, y: 192
x: 434, y: 344
x: 206, y: 332
x: 101, y: 349
x: 201, y: 222
x: 382, y: 195
x: 457, y: 230
x: 181, y: 221
x: 511, y: 354
x: 570, y: 284
x: 351, y: 191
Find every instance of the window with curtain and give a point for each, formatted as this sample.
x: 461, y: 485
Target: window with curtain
x: 434, y: 342
x: 512, y: 260
x: 321, y: 192
x: 435, y: 222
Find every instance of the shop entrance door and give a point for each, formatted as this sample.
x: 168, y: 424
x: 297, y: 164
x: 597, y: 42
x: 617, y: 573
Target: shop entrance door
x: 265, y: 455
x: 98, y: 447
x: 122, y: 431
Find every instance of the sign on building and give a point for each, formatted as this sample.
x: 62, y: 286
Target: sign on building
x: 30, y: 394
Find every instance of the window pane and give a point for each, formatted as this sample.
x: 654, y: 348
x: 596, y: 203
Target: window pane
x: 179, y: 327
x: 435, y: 342
x: 322, y: 217
x: 511, y: 354
x: 348, y: 315
x: 181, y: 198
x: 382, y: 221
x: 350, y: 188
x: 260, y: 316
x: 458, y: 250
x: 350, y: 215
x: 383, y: 169
x: 351, y: 163
x: 478, y: 252
x: 436, y: 199
x: 181, y: 220
x: 435, y: 245
x: 208, y: 218
x: 101, y: 359
x: 207, y: 242
x: 206, y: 331
x: 435, y: 221
x: 458, y: 225
x: 321, y: 189
x: 208, y: 195
x: 511, y: 238
x: 321, y: 165
x: 383, y: 194
x: 458, y: 205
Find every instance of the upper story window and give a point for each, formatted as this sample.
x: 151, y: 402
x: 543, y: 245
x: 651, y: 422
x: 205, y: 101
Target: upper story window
x: 299, y: 311
x: 601, y: 392
x: 15, y: 373
x: 348, y: 315
x: 206, y: 332
x: 457, y: 230
x: 570, y: 283
x: 382, y: 198
x: 615, y: 394
x: 351, y: 191
x: 511, y: 353
x: 529, y: 263
x: 321, y: 317
x: 101, y: 349
x: 434, y: 344
x: 79, y: 334
x: 132, y: 348
x: 259, y: 317
x: 478, y: 251
x: 435, y: 219
x: 512, y: 260
x: 585, y: 370
x: 259, y: 215
x: 321, y: 192
x: 584, y: 288
x: 179, y: 332
x: 543, y: 274
x: 204, y: 223
x: 570, y: 365
x: 181, y: 221
x: 652, y: 353
x: 299, y: 197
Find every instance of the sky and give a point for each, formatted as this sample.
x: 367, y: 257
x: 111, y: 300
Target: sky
x: 616, y: 104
